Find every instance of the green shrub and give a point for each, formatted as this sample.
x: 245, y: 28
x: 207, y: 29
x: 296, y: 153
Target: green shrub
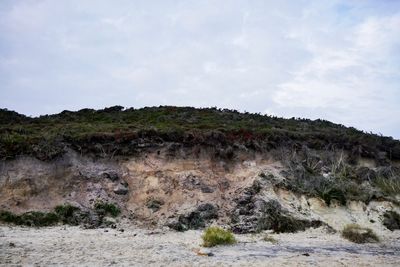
x: 7, y: 217
x: 107, y: 208
x: 214, y: 236
x: 330, y: 193
x: 357, y: 234
x: 32, y: 218
x: 66, y: 214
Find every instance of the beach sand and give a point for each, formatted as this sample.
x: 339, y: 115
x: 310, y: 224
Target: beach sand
x: 74, y: 246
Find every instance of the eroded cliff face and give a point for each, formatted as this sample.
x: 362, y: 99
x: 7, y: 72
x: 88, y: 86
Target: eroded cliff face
x: 150, y: 187
x: 184, y: 190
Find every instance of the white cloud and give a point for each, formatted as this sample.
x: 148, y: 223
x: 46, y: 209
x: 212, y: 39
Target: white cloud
x: 337, y: 60
x: 352, y: 75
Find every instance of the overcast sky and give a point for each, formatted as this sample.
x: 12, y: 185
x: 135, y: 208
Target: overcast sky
x: 336, y: 59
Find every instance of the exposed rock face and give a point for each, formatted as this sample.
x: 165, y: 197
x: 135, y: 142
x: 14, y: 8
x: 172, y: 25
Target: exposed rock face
x: 121, y: 189
x: 29, y: 184
x: 251, y: 192
x: 112, y: 175
x: 195, y: 219
x: 254, y: 214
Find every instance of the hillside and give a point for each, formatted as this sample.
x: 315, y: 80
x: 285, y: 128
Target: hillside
x: 117, y: 132
x: 185, y: 168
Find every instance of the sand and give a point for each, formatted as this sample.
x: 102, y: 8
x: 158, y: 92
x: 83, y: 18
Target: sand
x: 74, y: 246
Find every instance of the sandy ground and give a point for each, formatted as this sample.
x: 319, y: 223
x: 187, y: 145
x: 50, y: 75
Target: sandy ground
x: 73, y: 246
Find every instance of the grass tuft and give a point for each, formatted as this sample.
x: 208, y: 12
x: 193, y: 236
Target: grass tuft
x: 214, y: 236
x: 357, y: 234
x: 389, y: 186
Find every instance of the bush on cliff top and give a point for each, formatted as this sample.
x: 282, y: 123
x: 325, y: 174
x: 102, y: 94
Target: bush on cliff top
x: 45, y: 137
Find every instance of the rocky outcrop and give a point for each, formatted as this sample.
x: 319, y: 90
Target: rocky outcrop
x: 121, y: 189
x: 195, y: 219
x: 253, y: 214
x: 250, y: 192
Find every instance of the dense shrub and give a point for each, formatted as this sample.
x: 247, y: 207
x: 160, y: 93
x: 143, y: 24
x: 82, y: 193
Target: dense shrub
x: 214, y: 236
x: 358, y: 234
x: 32, y: 218
x: 119, y: 131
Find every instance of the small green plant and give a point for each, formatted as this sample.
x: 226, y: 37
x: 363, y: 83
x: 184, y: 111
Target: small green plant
x: 107, y: 208
x: 214, y: 236
x: 357, y: 234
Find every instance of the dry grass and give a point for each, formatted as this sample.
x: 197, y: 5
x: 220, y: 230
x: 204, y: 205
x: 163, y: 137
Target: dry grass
x: 357, y: 234
x: 389, y: 186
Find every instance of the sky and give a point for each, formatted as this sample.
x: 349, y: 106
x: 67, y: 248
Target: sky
x: 337, y: 60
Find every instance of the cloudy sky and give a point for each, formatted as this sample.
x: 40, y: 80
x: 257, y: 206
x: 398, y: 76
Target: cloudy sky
x: 336, y: 59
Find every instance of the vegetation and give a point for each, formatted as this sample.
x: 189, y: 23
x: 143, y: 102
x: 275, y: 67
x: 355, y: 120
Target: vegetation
x: 117, y: 131
x: 214, y: 236
x: 33, y: 218
x: 389, y: 186
x: 357, y: 234
x: 283, y: 223
x: 335, y: 179
x: 105, y: 208
x: 61, y: 214
x: 391, y: 220
x: 66, y: 214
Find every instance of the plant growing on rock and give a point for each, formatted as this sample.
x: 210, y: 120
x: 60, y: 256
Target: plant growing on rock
x: 68, y: 214
x: 357, y: 234
x: 107, y: 208
x: 214, y: 236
